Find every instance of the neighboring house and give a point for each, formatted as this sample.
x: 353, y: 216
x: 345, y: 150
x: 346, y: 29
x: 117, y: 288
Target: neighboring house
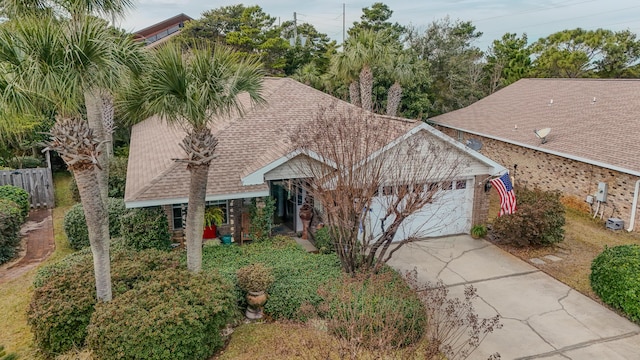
x: 594, y: 138
x: 159, y: 33
x: 255, y: 159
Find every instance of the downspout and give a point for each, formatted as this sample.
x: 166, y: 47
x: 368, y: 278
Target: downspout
x: 634, y: 207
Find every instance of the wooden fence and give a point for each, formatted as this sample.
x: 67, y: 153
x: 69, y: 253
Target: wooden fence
x: 37, y: 182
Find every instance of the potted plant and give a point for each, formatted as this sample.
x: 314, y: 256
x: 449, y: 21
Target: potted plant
x: 213, y: 217
x: 255, y: 279
x: 478, y: 231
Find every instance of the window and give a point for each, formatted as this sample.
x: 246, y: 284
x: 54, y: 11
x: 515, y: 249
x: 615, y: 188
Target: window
x: 387, y: 190
x: 418, y: 188
x: 447, y: 185
x: 461, y: 184
x: 432, y: 187
x: 179, y: 212
x: 222, y: 204
x: 177, y: 216
x: 402, y: 190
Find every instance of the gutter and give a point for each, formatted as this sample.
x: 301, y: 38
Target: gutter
x: 634, y: 207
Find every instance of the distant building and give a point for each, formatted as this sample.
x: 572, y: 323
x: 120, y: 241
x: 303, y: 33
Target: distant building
x: 160, y: 32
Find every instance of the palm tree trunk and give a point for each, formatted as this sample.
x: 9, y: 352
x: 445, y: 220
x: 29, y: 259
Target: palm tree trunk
x: 93, y: 102
x: 195, y: 215
x: 366, y: 87
x: 96, y: 217
x: 394, y: 96
x: 354, y: 93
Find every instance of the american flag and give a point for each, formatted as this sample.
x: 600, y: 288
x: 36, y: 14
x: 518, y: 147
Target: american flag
x: 507, y: 195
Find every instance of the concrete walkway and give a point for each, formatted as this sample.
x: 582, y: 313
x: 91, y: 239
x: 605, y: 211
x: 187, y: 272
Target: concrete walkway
x: 542, y: 318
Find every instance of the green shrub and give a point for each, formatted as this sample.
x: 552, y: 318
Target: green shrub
x: 377, y: 311
x: 615, y: 278
x: 75, y: 225
x: 18, y: 196
x: 10, y: 221
x: 261, y: 218
x: 24, y: 162
x: 117, y: 176
x: 298, y: 274
x: 255, y: 277
x: 64, y: 298
x: 146, y: 228
x: 537, y: 221
x: 478, y: 231
x: 323, y: 241
x: 73, y: 189
x: 175, y: 315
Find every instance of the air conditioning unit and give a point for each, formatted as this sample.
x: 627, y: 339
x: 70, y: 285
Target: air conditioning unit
x: 615, y: 224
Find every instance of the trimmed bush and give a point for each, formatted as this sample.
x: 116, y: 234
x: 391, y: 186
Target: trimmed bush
x: 377, y: 311
x: 298, y: 274
x: 176, y: 315
x: 537, y: 221
x: 10, y: 221
x: 73, y: 189
x: 65, y: 295
x: 146, y: 228
x: 117, y: 176
x: 18, y: 196
x: 75, y: 224
x: 615, y: 278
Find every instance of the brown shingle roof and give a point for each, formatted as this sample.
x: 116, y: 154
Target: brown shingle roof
x: 604, y: 132
x: 246, y: 144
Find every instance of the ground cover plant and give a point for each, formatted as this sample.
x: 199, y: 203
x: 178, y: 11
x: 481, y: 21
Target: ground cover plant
x: 298, y: 274
x: 615, y: 277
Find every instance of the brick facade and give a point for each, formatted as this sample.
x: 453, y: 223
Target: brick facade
x: 534, y: 168
x: 480, y: 212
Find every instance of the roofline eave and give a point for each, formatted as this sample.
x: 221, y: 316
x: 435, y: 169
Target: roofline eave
x: 548, y: 151
x: 185, y: 200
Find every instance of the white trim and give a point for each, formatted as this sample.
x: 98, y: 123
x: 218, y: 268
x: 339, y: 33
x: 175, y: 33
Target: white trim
x: 257, y: 177
x: 159, y: 202
x: 548, y: 151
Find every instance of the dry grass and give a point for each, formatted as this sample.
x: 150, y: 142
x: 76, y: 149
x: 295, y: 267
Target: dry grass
x: 296, y: 341
x: 16, y: 294
x: 585, y: 238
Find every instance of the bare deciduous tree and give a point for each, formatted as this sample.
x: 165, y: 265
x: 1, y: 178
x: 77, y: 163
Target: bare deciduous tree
x: 377, y: 182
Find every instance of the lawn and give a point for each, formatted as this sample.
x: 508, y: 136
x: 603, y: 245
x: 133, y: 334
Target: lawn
x: 585, y: 238
x: 16, y: 294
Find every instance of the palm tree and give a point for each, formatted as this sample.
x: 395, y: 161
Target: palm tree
x: 401, y: 70
x: 53, y: 59
x: 194, y: 89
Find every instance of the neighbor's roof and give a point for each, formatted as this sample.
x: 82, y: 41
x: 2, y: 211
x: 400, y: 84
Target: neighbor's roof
x: 592, y: 120
x: 246, y: 144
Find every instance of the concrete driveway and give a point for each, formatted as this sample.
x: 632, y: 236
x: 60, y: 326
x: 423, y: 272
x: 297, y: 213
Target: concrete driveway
x: 542, y: 318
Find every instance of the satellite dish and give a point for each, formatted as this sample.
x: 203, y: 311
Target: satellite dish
x: 542, y: 134
x: 474, y: 144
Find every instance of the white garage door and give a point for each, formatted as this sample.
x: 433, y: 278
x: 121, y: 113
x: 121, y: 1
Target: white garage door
x: 449, y: 213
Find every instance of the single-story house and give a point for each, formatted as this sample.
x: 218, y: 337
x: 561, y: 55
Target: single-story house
x: 590, y: 153
x: 255, y: 159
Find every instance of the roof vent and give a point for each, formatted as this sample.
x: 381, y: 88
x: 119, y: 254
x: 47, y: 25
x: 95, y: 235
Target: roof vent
x: 550, y: 102
x: 474, y: 144
x: 593, y: 101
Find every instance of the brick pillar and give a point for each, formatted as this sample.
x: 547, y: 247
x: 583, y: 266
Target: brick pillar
x: 480, y: 201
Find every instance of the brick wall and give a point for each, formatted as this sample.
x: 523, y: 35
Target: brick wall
x: 571, y: 177
x: 480, y: 201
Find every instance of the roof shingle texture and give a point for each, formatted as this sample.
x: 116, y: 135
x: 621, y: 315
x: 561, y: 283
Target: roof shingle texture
x: 597, y: 120
x: 245, y: 144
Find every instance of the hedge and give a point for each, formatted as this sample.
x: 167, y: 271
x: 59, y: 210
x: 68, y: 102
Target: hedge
x: 64, y: 297
x: 175, y: 315
x: 615, y: 278
x: 18, y: 196
x: 146, y: 228
x: 75, y: 225
x: 11, y: 219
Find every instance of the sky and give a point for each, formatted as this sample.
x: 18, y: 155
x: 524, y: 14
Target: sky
x: 494, y: 18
